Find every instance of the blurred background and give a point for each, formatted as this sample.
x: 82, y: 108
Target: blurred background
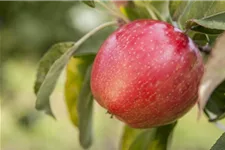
x: 27, y: 30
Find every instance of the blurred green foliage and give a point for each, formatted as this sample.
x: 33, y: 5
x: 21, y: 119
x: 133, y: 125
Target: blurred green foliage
x: 34, y: 26
x: 29, y: 29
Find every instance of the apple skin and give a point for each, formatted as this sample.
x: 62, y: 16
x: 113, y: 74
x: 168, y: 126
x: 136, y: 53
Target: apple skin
x: 147, y: 74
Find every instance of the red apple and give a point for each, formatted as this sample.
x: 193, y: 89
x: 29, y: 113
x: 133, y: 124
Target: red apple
x: 147, y: 74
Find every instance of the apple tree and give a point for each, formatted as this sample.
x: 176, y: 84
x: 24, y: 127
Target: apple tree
x: 148, y: 73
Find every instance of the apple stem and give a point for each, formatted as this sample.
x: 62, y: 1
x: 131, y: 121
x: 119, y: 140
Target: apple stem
x: 186, y: 31
x: 120, y: 22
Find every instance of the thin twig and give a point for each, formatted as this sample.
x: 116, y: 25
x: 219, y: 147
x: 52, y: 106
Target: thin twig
x: 113, y: 12
x: 92, y: 32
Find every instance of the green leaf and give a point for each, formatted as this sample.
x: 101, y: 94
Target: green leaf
x: 85, y: 105
x: 176, y: 9
x: 220, y: 143
x: 216, y: 102
x: 153, y: 9
x: 143, y: 140
x: 204, y: 13
x: 53, y: 69
x: 48, y: 59
x: 90, y: 3
x: 154, y: 139
x: 214, y: 24
x: 213, y: 74
x: 128, y: 137
x: 160, y: 8
x: 200, y: 39
x: 134, y: 11
x: 212, y: 40
x: 76, y: 70
x: 48, y: 72
x: 163, y: 137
